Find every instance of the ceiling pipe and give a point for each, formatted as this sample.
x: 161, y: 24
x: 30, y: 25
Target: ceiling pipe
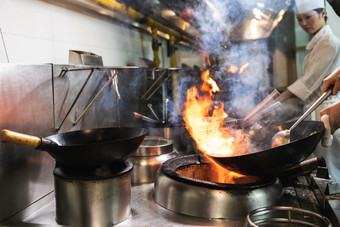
x: 173, y: 64
x: 134, y: 15
x: 156, y: 26
x: 155, y: 47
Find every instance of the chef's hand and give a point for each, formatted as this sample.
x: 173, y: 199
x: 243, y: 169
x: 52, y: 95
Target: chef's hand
x: 333, y: 112
x: 332, y: 79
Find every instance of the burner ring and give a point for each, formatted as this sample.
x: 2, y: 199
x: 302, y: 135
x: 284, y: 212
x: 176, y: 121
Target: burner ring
x: 206, y: 199
x: 170, y: 166
x: 104, y: 172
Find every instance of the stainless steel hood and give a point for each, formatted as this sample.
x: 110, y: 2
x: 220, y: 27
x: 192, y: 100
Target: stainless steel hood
x: 234, y: 20
x: 204, y: 22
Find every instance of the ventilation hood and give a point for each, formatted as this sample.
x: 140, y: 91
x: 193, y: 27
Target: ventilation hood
x: 231, y: 20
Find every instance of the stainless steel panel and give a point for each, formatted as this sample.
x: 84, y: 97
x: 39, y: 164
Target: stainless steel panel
x: 107, y: 110
x: 25, y: 106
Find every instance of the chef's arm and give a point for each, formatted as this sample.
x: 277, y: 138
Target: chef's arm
x: 332, y: 79
x: 284, y: 96
x: 333, y: 112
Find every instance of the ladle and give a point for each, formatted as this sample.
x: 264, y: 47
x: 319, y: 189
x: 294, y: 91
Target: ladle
x: 283, y: 137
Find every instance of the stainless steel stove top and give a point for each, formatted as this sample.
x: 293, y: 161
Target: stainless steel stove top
x: 144, y: 212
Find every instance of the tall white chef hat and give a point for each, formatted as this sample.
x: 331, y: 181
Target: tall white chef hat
x: 307, y: 5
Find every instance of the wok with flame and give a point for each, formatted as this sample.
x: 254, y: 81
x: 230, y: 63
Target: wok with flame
x: 235, y: 149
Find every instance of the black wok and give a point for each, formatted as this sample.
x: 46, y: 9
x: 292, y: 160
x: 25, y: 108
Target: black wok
x: 83, y: 148
x: 304, y: 139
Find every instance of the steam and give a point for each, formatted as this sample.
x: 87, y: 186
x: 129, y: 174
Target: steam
x: 227, y: 32
x: 247, y: 89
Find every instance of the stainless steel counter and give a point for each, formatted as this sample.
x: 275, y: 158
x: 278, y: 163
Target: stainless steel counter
x: 145, y: 212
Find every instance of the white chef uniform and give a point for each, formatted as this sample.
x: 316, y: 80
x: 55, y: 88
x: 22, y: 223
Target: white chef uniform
x: 322, y: 58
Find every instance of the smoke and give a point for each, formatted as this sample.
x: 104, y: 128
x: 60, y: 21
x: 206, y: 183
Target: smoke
x: 227, y: 31
x: 248, y: 88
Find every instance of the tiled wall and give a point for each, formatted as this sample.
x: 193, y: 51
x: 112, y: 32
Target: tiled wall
x: 35, y: 32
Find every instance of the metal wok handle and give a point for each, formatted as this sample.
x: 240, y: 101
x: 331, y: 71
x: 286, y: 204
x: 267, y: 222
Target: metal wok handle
x: 7, y: 136
x: 317, y: 103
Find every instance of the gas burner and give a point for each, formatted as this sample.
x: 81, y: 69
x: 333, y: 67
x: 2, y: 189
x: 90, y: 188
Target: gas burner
x: 187, y: 185
x: 101, y: 172
x: 93, y: 197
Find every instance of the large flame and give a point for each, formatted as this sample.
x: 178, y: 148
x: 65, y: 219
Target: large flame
x: 204, y: 120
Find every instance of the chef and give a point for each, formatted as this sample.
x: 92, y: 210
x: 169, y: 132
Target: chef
x: 322, y: 58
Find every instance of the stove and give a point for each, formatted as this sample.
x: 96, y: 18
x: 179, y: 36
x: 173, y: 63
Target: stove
x: 179, y: 197
x: 93, y: 197
x: 186, y: 184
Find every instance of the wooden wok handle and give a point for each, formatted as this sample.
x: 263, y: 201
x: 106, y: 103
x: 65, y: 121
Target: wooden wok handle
x: 7, y: 136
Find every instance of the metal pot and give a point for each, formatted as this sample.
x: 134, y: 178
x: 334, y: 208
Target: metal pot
x: 181, y: 138
x: 149, y: 157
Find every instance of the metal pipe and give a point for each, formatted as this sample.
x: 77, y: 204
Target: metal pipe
x: 76, y: 99
x: 95, y: 98
x: 166, y: 111
x: 115, y: 88
x: 144, y: 118
x: 65, y: 70
x: 115, y: 83
x: 262, y: 104
x: 148, y: 94
x: 158, y: 86
x: 317, y: 103
x: 137, y: 16
x: 153, y: 112
x: 174, y: 75
x: 100, y: 68
x: 155, y: 47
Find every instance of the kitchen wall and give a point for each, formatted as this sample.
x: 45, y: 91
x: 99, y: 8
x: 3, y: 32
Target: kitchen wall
x: 35, y: 31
